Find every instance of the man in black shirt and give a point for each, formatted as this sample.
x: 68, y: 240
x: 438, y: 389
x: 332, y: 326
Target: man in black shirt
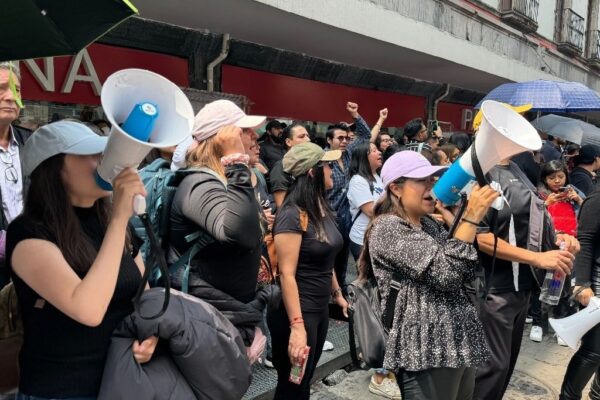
x: 583, y: 176
x: 272, y: 148
x: 525, y: 240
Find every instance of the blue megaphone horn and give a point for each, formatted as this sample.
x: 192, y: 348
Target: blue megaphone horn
x: 503, y: 133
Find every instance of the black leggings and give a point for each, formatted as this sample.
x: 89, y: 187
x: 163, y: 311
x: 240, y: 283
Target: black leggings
x: 437, y: 384
x: 316, y: 325
x: 584, y: 364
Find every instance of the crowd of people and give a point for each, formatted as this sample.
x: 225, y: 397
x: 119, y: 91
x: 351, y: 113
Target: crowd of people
x: 301, y: 209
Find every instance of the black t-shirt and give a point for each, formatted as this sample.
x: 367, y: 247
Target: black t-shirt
x: 60, y: 357
x: 518, y: 196
x: 582, y: 179
x: 280, y: 180
x: 271, y: 152
x: 315, y: 261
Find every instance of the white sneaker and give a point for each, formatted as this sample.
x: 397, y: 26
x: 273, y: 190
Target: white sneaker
x: 328, y: 346
x: 388, y: 388
x: 528, y: 319
x: 536, y: 333
x: 561, y: 342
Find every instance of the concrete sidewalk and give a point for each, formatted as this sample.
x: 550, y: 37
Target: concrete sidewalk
x: 538, y: 376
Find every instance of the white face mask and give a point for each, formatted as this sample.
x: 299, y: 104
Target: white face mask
x: 105, y: 130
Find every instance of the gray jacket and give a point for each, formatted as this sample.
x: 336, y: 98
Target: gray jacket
x: 200, y: 354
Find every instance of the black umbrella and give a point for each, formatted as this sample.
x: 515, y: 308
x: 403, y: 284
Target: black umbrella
x: 44, y: 28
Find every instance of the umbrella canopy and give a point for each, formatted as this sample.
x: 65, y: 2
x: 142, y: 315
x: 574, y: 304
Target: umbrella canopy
x: 547, y: 96
x: 44, y: 28
x: 569, y: 129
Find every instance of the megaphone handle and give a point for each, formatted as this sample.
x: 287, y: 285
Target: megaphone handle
x: 139, y: 204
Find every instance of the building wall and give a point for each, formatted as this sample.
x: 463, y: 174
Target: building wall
x: 546, y: 18
x: 491, y: 3
x: 446, y: 30
x: 302, y: 99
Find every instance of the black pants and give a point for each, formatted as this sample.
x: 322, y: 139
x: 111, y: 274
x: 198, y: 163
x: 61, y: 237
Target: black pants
x: 503, y: 317
x: 437, y: 384
x: 584, y: 364
x: 316, y: 325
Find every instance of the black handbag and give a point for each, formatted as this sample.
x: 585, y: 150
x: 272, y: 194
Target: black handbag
x: 367, y: 324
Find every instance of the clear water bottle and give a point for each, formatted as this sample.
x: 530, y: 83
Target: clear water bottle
x: 553, y: 285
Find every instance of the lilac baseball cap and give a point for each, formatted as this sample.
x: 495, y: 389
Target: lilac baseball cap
x: 407, y: 164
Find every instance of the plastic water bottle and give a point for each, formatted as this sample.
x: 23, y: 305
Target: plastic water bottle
x: 553, y: 285
x: 141, y: 120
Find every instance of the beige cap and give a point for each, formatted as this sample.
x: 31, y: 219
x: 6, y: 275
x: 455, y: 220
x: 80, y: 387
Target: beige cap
x: 303, y: 157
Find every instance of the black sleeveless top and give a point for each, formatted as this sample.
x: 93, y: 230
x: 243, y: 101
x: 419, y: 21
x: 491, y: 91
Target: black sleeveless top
x: 61, y: 357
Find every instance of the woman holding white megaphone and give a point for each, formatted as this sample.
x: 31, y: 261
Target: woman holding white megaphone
x: 74, y: 262
x: 436, y: 340
x: 586, y: 361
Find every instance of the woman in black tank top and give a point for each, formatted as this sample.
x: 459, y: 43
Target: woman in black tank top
x: 73, y: 263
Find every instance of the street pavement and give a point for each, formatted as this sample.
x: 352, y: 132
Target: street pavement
x: 538, y: 376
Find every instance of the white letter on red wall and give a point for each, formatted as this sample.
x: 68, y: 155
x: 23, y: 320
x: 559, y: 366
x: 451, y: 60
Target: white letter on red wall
x: 46, y: 80
x: 73, y: 75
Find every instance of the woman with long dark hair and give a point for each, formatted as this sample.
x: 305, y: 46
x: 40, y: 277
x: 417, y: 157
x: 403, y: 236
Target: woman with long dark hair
x: 562, y: 201
x: 364, y: 190
x: 436, y: 341
x: 73, y: 262
x: 586, y: 361
x: 307, y: 241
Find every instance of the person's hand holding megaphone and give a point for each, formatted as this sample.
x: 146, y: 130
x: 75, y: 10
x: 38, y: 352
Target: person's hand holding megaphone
x: 584, y: 295
x: 480, y: 201
x: 126, y: 186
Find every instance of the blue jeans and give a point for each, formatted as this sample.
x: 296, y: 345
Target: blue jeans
x: 21, y: 396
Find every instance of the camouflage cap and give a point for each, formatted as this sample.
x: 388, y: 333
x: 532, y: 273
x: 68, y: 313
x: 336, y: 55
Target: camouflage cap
x: 302, y: 157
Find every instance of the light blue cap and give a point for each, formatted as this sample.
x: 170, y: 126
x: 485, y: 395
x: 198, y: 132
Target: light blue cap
x: 62, y: 137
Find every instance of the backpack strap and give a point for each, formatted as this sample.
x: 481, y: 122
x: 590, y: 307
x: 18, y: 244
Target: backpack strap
x: 200, y: 238
x: 390, y: 305
x: 156, y: 255
x: 356, y: 217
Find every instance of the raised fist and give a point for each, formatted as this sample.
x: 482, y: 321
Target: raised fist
x: 352, y: 108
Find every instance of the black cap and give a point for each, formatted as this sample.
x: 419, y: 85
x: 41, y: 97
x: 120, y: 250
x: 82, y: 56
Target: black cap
x: 587, y: 154
x: 273, y: 124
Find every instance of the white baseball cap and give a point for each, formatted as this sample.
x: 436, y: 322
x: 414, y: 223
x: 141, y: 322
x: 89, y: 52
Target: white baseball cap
x: 221, y: 113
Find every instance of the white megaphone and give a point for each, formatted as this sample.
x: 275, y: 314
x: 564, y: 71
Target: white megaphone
x: 503, y: 133
x: 572, y: 329
x: 146, y: 111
